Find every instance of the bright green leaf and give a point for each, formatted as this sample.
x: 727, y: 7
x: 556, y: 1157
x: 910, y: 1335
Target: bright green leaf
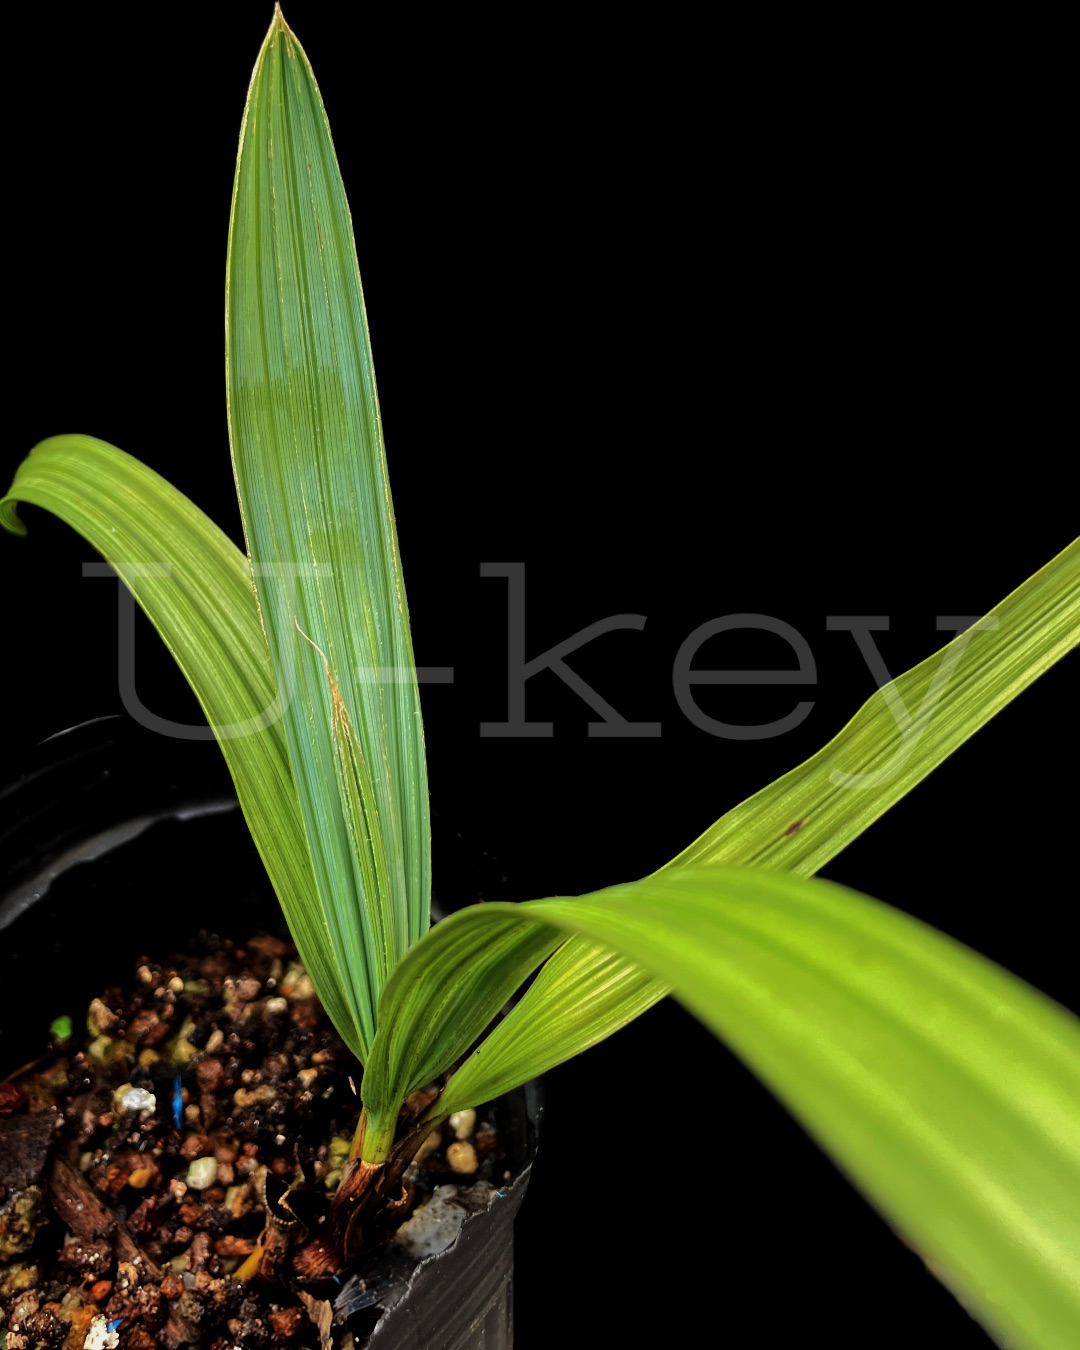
x: 945, y: 1087
x: 802, y: 820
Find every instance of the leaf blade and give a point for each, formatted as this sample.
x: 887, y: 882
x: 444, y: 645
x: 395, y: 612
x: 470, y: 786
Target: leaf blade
x: 969, y: 1138
x: 311, y: 474
x: 195, y: 587
x: 946, y: 1088
x: 802, y: 820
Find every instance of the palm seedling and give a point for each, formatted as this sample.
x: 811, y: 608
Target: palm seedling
x: 948, y: 1089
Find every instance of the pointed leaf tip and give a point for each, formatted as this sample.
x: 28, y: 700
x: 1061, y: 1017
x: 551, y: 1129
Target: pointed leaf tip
x: 277, y: 26
x: 280, y: 24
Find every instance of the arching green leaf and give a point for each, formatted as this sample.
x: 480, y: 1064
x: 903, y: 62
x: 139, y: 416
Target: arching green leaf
x: 804, y: 819
x: 195, y: 586
x: 946, y: 1088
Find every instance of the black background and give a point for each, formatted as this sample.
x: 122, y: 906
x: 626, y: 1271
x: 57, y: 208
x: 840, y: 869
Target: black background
x: 689, y: 326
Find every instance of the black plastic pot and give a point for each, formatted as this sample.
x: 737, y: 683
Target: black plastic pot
x: 109, y: 822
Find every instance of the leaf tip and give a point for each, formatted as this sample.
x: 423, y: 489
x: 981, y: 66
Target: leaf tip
x: 278, y: 25
x: 9, y: 516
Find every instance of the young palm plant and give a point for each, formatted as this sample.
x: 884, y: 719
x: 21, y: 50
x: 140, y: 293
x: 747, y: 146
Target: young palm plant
x: 946, y: 1088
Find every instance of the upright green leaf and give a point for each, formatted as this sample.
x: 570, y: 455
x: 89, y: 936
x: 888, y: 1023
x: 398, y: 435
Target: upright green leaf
x: 945, y: 1087
x: 311, y: 474
x: 802, y: 820
x: 195, y: 586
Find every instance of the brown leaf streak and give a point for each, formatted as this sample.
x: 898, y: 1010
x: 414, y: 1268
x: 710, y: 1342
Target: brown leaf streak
x: 338, y: 712
x: 794, y: 828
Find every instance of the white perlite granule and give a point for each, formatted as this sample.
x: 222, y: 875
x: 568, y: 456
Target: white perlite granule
x: 99, y: 1337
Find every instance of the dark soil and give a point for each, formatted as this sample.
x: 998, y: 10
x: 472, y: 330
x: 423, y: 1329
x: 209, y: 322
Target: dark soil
x: 137, y: 1156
